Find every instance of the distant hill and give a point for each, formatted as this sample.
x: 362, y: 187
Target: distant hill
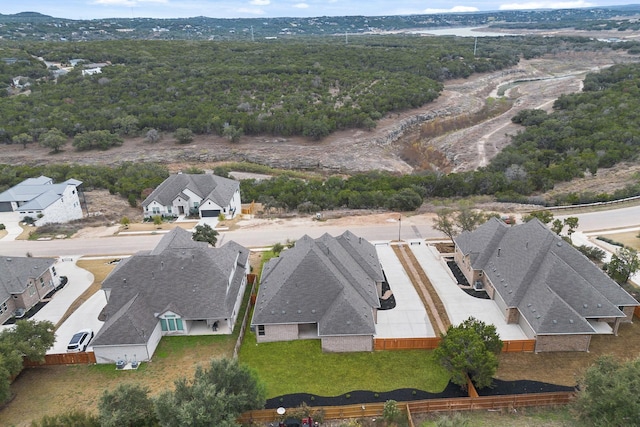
x: 36, y: 26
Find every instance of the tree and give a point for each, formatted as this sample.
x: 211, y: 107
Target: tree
x: 609, y: 393
x: 32, y: 338
x: 152, y: 136
x: 127, y: 125
x: 204, y: 233
x: 572, y: 225
x: 623, y: 264
x: 444, y: 223
x: 53, y: 139
x: 277, y: 248
x: 128, y: 405
x: 215, y: 397
x: 29, y: 339
x: 183, y: 135
x: 468, y: 219
x: 470, y: 349
x: 557, y: 226
x: 22, y: 138
x: 544, y: 216
x: 232, y: 133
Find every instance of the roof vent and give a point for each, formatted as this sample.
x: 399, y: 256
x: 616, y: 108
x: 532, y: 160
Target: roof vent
x: 499, y: 251
x: 299, y: 311
x: 313, y: 311
x: 555, y: 321
x: 124, y: 280
x: 585, y: 305
x: 570, y: 320
x: 529, y: 305
x: 559, y: 243
x: 284, y: 312
x: 8, y: 259
x: 599, y: 305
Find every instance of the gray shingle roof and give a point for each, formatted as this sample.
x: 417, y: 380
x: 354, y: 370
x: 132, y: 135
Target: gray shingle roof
x: 15, y: 273
x: 553, y: 285
x: 188, y: 278
x: 329, y: 281
x: 206, y: 186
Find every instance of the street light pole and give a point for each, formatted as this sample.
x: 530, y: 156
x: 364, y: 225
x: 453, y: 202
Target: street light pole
x: 399, y: 226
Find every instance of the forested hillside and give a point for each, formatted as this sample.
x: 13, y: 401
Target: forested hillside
x: 311, y: 87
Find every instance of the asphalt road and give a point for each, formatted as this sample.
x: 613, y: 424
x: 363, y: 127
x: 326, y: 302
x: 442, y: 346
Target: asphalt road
x: 266, y: 236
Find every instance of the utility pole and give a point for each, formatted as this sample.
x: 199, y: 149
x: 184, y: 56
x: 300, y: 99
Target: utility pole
x: 252, y: 39
x: 399, y: 226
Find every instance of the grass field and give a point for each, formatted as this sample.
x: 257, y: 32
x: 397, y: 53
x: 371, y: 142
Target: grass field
x: 302, y: 367
x: 629, y: 238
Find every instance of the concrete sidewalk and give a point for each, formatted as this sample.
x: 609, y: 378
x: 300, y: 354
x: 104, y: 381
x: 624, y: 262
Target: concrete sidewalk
x: 409, y: 318
x: 460, y: 305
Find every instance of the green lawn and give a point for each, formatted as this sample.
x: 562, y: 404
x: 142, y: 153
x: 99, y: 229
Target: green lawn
x: 302, y: 367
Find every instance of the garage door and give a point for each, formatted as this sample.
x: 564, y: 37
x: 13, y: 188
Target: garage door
x: 5, y: 207
x: 210, y: 213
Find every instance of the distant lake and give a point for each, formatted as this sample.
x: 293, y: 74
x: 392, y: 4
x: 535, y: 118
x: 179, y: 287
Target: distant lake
x: 462, y: 32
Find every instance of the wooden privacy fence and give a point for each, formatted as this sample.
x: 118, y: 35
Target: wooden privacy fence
x: 83, y: 358
x: 370, y: 410
x: 405, y: 343
x: 511, y: 346
x: 636, y: 311
x: 518, y: 346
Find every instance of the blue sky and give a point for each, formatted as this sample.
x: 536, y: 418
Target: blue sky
x: 93, y: 9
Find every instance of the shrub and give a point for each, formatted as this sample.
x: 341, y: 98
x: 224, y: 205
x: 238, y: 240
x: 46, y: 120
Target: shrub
x: 2, y: 227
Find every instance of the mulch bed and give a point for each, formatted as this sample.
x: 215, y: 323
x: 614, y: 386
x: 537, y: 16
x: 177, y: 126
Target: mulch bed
x: 408, y: 394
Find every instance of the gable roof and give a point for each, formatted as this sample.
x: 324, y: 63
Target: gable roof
x: 15, y: 273
x: 554, y: 286
x: 329, y: 281
x: 207, y: 186
x: 37, y: 193
x: 188, y: 278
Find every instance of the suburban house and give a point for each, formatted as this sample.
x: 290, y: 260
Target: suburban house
x: 45, y: 202
x: 326, y: 288
x: 24, y: 282
x: 204, y: 195
x: 181, y: 287
x: 542, y: 283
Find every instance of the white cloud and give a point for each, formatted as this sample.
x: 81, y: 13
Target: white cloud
x: 454, y: 9
x: 251, y: 11
x: 546, y: 5
x: 301, y: 5
x: 260, y: 2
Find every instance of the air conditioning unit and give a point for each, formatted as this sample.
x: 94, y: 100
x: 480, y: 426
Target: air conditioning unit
x: 478, y: 286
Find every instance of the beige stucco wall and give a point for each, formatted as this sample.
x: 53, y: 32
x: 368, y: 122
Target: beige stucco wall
x: 342, y: 344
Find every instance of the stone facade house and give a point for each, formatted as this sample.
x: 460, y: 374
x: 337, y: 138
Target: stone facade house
x: 326, y: 288
x: 181, y: 287
x: 542, y: 283
x: 44, y: 201
x: 24, y: 282
x: 203, y: 195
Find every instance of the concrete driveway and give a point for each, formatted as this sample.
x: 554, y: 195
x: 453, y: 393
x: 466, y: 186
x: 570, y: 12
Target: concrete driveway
x: 11, y: 222
x: 459, y: 304
x: 409, y: 318
x: 86, y: 316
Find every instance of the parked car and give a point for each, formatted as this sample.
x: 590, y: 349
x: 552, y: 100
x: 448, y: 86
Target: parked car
x: 80, y: 341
